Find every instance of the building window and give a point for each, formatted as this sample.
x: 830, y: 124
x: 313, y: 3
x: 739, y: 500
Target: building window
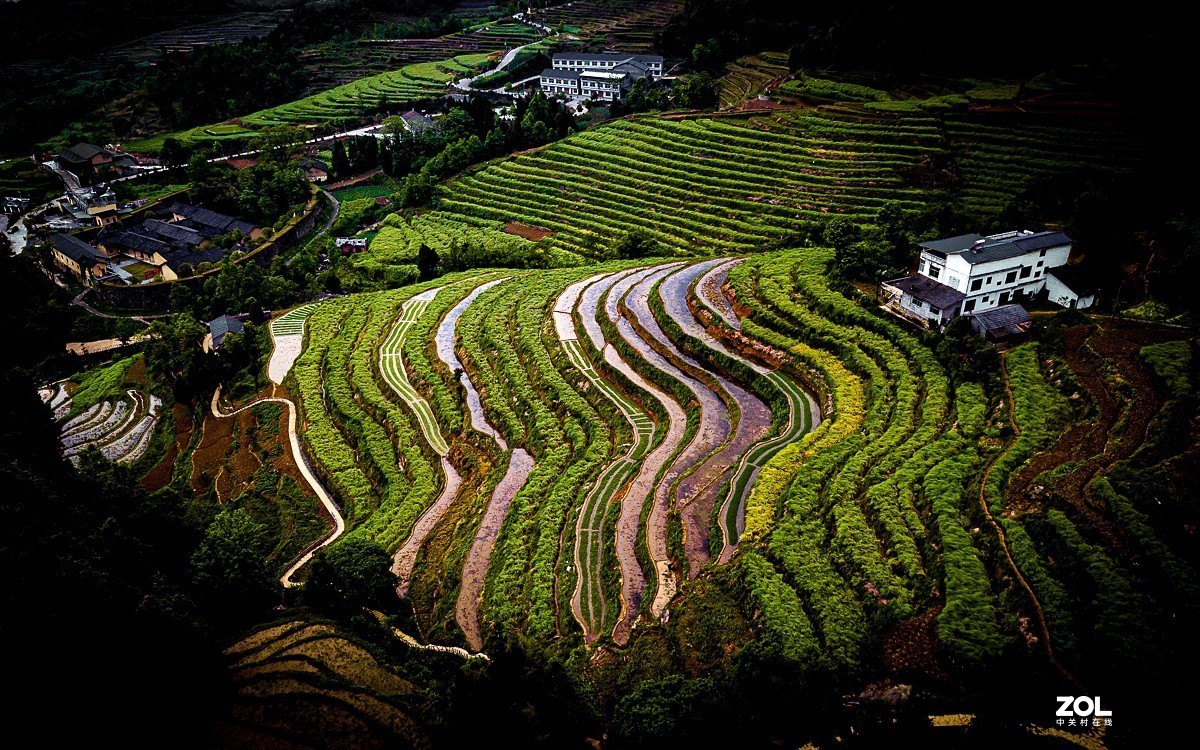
x: 989, y: 279
x: 1039, y: 263
x: 1011, y: 277
x: 934, y: 271
x: 1025, y: 271
x: 975, y: 286
x: 987, y: 299
x: 969, y: 306
x: 1042, y: 254
x: 935, y: 310
x: 1037, y: 275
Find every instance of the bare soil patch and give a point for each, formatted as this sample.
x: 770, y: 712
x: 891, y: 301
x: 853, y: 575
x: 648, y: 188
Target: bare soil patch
x: 528, y: 231
x: 160, y: 475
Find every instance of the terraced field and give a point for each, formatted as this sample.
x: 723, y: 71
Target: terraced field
x: 575, y: 458
x: 298, y: 682
x: 747, y: 75
x: 738, y: 184
x: 120, y: 428
x: 396, y: 88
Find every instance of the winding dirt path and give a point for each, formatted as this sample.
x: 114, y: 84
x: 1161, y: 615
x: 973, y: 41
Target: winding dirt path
x: 474, y: 574
x: 339, y: 523
x: 987, y: 513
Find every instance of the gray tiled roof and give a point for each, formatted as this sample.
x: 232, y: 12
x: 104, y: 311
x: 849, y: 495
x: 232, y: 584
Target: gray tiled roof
x: 211, y: 221
x: 76, y: 249
x: 1003, y: 321
x: 929, y: 290
x: 606, y: 56
x: 560, y: 73
x: 222, y: 326
x: 977, y: 249
x: 952, y: 244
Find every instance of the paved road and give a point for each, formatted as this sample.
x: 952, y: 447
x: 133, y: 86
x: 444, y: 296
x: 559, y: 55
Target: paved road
x: 339, y: 523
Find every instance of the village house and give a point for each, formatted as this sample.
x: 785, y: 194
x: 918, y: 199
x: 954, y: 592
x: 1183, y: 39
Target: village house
x: 83, y: 159
x: 210, y: 223
x: 314, y: 170
x: 218, y: 329
x: 971, y: 274
x: 350, y: 244
x: 416, y: 122
x: 14, y: 205
x: 175, y: 244
x: 78, y: 258
x: 608, y: 75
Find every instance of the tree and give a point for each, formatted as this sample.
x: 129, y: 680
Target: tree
x: 840, y: 232
x: 865, y: 260
x: 355, y: 573
x: 173, y: 153
x: 340, y: 162
x: 427, y: 262
x: 229, y: 567
x: 637, y: 243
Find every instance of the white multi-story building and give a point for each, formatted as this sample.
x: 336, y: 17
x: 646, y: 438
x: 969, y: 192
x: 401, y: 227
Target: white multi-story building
x: 608, y: 76
x: 971, y: 273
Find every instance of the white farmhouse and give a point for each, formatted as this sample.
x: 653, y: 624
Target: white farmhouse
x: 608, y: 75
x: 971, y: 273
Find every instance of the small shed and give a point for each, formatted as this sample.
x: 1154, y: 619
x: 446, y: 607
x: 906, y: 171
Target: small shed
x: 1002, y: 323
x: 219, y: 328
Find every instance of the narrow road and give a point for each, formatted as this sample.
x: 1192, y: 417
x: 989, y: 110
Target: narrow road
x: 337, y: 208
x: 143, y: 319
x: 339, y: 523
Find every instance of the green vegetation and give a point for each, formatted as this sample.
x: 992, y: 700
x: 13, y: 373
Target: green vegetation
x: 103, y: 384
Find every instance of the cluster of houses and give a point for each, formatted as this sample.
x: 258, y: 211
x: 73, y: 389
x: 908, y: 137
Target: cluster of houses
x: 173, y: 243
x: 606, y: 76
x: 985, y: 278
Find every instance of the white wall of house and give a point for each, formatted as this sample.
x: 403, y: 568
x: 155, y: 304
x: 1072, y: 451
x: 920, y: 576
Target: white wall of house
x: 1061, y: 294
x: 997, y: 282
x: 924, y: 310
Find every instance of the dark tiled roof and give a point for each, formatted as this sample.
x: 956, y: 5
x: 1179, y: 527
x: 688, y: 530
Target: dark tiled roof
x: 80, y: 152
x: 978, y: 249
x: 310, y: 163
x: 140, y: 242
x: 560, y: 73
x: 178, y: 256
x: 606, y: 56
x: 76, y: 249
x: 223, y: 326
x: 175, y: 233
x: 632, y: 67
x: 951, y: 244
x: 928, y: 290
x: 202, y: 218
x: 1041, y: 240
x: 1003, y: 321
